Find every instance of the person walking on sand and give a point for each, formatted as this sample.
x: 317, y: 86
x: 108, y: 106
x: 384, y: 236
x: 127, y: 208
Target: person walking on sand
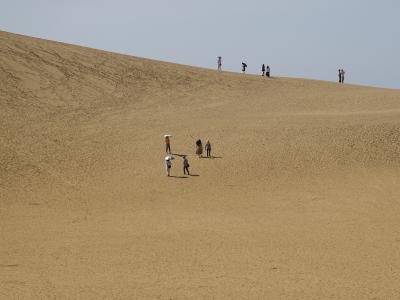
x: 263, y: 69
x: 219, y: 63
x: 167, y: 144
x: 340, y: 75
x: 208, y: 148
x: 168, y: 166
x: 268, y: 71
x: 199, y: 148
x: 244, y: 66
x: 343, y: 72
x: 185, y: 166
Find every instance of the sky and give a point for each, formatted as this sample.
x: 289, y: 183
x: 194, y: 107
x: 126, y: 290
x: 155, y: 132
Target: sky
x: 297, y: 38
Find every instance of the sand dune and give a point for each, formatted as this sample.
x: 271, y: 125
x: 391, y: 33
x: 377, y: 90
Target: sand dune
x: 300, y: 202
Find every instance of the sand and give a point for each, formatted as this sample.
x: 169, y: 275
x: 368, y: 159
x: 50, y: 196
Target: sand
x: 301, y: 199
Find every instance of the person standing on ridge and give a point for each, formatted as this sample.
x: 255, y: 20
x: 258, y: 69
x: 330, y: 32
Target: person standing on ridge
x: 208, y: 148
x: 340, y: 75
x: 244, y: 66
x: 268, y: 71
x: 343, y: 72
x: 263, y: 69
x: 219, y: 63
x: 185, y: 166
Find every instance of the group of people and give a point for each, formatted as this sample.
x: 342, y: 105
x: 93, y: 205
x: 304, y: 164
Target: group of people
x: 341, y: 75
x: 266, y: 71
x: 169, y: 158
x: 199, y: 148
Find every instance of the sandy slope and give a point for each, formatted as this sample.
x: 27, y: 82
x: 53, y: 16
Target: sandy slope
x: 301, y: 201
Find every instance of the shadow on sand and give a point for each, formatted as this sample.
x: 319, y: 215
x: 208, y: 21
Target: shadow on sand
x: 180, y: 155
x: 180, y: 177
x: 211, y: 157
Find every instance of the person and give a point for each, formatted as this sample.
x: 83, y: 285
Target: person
x: 199, y: 148
x: 268, y: 71
x: 168, y: 166
x: 185, y: 166
x: 219, y: 63
x: 244, y: 66
x: 343, y: 72
x: 340, y: 76
x: 167, y: 144
x: 263, y: 69
x: 208, y: 148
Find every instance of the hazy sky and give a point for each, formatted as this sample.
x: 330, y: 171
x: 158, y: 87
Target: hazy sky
x: 297, y: 38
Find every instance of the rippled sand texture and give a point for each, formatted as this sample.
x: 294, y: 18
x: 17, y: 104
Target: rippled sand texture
x: 301, y: 199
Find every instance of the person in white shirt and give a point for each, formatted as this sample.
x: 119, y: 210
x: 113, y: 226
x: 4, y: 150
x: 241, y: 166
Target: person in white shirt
x: 168, y: 166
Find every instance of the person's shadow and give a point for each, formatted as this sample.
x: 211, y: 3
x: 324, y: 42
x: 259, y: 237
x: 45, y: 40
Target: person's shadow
x: 180, y: 155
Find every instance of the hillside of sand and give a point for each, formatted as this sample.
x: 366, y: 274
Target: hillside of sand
x: 300, y: 199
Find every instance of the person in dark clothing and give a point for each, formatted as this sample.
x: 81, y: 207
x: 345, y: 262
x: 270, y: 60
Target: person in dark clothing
x: 263, y: 69
x: 244, y: 66
x: 208, y: 148
x: 268, y: 71
x: 199, y: 148
x: 340, y: 76
x: 342, y: 72
x: 185, y: 166
x: 219, y: 62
